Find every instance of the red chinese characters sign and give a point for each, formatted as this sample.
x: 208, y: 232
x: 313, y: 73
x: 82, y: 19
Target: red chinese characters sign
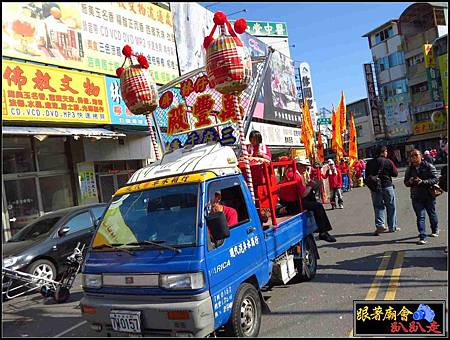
x: 205, y: 108
x: 40, y: 93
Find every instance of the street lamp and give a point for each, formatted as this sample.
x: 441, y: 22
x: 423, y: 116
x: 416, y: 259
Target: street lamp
x: 213, y: 4
x: 242, y: 10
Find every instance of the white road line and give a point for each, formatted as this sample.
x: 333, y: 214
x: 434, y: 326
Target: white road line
x: 70, y: 329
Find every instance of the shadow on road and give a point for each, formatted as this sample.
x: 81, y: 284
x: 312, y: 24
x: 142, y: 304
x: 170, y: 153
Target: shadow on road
x: 414, y: 259
x: 379, y: 240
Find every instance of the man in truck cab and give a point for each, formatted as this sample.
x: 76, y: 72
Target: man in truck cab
x: 230, y: 213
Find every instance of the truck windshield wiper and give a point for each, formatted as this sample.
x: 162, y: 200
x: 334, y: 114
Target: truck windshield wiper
x: 114, y: 246
x: 154, y: 243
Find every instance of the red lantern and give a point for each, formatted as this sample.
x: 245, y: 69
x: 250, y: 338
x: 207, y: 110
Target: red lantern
x: 138, y: 88
x: 228, y: 62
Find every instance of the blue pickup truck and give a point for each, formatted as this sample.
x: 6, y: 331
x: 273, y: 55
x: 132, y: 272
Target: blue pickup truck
x: 162, y: 263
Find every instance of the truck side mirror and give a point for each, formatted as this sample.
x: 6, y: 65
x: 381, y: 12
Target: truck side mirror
x: 217, y: 224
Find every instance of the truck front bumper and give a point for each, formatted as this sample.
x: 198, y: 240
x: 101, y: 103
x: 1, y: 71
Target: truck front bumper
x: 96, y: 309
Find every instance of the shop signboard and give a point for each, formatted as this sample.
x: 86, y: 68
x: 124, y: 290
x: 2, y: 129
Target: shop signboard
x: 444, y: 75
x: 432, y: 72
x: 86, y: 180
x: 276, y: 135
x: 118, y: 111
x: 267, y: 29
x: 373, y: 100
x: 39, y: 93
x: 280, y: 91
x: 397, y: 115
x: 440, y: 123
x: 277, y: 100
x: 192, y: 23
x: 307, y: 90
x: 89, y: 36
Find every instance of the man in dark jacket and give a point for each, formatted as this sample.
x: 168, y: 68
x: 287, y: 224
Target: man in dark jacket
x: 384, y: 198
x: 420, y: 176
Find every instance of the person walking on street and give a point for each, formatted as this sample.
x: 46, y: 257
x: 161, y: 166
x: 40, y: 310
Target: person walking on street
x: 383, y: 194
x: 427, y: 157
x: 335, y: 183
x: 420, y: 176
x: 344, y: 170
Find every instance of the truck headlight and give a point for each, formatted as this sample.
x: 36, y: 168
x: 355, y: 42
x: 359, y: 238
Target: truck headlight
x: 92, y: 281
x: 182, y: 281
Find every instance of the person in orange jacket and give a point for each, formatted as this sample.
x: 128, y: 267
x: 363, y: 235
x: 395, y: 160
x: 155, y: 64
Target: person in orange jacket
x: 335, y: 183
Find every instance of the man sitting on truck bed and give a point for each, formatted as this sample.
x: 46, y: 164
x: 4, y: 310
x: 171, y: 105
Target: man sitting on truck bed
x: 308, y: 203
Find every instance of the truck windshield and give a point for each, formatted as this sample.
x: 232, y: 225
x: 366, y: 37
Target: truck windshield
x: 167, y: 216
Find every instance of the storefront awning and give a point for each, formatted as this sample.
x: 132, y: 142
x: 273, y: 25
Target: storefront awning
x: 433, y: 135
x: 59, y: 131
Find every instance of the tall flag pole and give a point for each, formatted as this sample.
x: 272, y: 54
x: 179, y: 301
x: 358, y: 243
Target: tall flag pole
x: 353, y: 147
x: 333, y: 129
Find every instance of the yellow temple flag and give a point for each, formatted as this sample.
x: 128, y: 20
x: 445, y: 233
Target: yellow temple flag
x: 341, y: 110
x: 307, y: 135
x: 337, y: 136
x: 320, y: 151
x: 353, y: 147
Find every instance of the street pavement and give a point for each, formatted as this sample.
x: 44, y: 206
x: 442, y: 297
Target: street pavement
x: 348, y: 270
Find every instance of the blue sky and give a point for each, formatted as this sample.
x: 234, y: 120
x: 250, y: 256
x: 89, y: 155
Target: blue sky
x: 328, y: 36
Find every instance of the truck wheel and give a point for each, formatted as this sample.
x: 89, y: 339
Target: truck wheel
x: 307, y: 267
x: 245, y: 319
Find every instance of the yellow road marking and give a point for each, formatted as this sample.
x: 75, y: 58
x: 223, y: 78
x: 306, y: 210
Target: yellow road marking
x: 395, y: 277
x: 372, y: 293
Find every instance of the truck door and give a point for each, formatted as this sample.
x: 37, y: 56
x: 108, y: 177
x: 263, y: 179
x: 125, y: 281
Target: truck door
x: 238, y: 257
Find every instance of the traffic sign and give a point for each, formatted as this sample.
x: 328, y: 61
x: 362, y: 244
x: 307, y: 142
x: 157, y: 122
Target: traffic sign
x: 324, y: 121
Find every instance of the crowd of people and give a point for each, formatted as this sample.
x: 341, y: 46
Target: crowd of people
x: 421, y: 177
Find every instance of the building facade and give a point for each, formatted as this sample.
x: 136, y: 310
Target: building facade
x: 386, y: 44
x: 365, y: 136
x: 421, y: 24
x: 68, y: 138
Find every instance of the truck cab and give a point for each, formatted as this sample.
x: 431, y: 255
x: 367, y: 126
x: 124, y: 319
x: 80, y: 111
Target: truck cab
x: 163, y: 263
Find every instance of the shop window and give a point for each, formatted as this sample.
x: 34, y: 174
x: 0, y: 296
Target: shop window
x: 51, y: 154
x: 418, y: 88
x: 384, y: 34
x: 79, y: 222
x: 56, y: 192
x: 18, y: 155
x: 440, y: 16
x: 22, y: 202
x: 415, y: 60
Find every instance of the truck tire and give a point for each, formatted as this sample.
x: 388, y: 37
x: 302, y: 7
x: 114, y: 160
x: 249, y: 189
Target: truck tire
x: 307, y: 267
x: 245, y: 319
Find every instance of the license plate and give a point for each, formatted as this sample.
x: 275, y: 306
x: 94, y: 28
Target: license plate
x: 126, y: 321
